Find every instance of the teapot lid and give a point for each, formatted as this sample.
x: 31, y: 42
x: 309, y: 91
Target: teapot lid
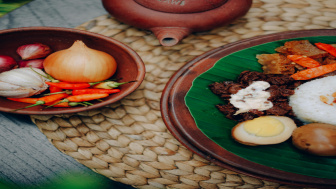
x: 181, y: 6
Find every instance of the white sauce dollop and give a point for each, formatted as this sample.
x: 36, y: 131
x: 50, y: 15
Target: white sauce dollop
x: 252, y: 97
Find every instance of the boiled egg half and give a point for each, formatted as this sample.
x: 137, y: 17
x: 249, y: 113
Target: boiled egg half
x: 264, y: 130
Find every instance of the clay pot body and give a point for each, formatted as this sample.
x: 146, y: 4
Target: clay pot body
x: 172, y: 20
x: 179, y: 6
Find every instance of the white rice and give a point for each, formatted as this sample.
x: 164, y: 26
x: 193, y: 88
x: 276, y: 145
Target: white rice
x: 307, y: 105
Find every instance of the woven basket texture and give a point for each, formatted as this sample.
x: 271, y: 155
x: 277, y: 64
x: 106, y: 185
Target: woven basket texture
x: 128, y: 141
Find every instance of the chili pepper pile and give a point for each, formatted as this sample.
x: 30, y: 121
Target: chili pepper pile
x: 65, y: 94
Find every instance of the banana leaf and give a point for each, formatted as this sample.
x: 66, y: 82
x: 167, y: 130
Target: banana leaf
x: 201, y: 104
x: 9, y: 5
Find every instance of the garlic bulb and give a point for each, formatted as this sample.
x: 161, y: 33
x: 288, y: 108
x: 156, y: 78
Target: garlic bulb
x: 22, y: 82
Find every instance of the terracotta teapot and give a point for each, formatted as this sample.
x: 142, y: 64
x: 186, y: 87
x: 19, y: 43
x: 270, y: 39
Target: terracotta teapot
x: 173, y: 20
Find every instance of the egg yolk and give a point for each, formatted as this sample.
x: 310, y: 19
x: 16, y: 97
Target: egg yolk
x: 264, y: 127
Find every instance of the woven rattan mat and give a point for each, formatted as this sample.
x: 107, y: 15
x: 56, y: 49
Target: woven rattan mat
x: 128, y: 141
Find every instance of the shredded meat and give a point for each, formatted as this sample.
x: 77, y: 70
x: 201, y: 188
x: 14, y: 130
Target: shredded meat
x: 282, y: 86
x: 225, y: 89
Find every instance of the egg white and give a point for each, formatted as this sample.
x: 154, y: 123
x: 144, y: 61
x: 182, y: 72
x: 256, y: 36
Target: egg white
x: 242, y: 136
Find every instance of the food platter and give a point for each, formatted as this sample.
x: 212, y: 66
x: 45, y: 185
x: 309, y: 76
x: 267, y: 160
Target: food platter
x: 188, y: 128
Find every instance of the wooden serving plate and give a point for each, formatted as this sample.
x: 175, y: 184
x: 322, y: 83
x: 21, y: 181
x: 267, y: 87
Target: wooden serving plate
x: 181, y: 124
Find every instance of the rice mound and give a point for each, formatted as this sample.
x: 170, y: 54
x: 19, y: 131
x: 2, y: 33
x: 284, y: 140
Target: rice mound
x: 307, y: 104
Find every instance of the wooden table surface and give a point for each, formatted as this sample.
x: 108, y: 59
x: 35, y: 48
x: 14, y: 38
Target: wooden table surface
x: 27, y: 158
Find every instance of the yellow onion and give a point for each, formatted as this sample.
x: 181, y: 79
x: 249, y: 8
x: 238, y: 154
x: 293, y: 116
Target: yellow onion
x: 80, y: 63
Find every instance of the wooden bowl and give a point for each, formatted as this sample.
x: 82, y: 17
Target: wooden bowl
x: 130, y: 66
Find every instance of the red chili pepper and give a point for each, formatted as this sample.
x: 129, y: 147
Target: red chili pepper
x: 54, y: 89
x: 60, y: 104
x: 82, y: 98
x: 86, y: 97
x: 327, y: 47
x: 39, y: 101
x: 45, y: 99
x: 66, y: 85
x: 25, y: 100
x: 53, y: 98
x: 66, y: 104
x: 94, y: 91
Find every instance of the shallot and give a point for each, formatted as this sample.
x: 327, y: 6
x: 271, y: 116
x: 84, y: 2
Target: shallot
x: 36, y: 63
x: 33, y: 51
x: 7, y: 63
x: 22, y: 82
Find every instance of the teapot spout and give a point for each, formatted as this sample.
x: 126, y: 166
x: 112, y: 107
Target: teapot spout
x: 170, y: 36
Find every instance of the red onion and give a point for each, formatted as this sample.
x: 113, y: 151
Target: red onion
x: 36, y: 63
x: 7, y: 63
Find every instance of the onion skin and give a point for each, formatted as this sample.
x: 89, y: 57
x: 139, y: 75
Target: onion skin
x: 7, y: 63
x: 80, y: 63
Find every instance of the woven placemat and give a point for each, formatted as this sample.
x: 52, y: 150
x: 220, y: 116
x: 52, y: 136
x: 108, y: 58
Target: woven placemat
x: 128, y: 141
